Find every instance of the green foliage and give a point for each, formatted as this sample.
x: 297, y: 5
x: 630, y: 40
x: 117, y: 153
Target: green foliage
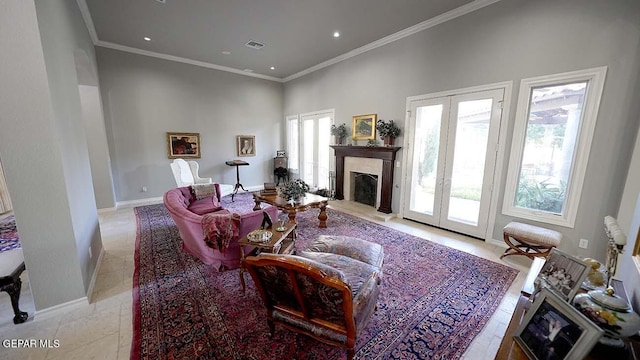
x: 339, y: 130
x: 429, y: 151
x: 535, y: 133
x: 466, y: 193
x: 541, y: 195
x: 294, y: 189
x: 387, y: 128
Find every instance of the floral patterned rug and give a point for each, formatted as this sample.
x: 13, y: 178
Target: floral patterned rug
x: 8, y: 234
x: 433, y: 302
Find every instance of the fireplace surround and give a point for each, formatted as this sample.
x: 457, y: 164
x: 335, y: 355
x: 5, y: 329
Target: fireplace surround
x: 388, y: 157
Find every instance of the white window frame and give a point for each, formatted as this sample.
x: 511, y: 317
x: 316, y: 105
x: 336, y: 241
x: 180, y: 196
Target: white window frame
x: 294, y: 167
x: 595, y: 83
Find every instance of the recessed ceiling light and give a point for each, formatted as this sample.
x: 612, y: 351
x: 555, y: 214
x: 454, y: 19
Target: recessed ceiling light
x: 336, y: 34
x: 248, y: 70
x: 272, y: 68
x: 226, y: 52
x: 146, y: 38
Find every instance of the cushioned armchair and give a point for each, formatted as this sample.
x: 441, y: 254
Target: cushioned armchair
x: 187, y: 212
x: 186, y: 173
x: 328, y: 292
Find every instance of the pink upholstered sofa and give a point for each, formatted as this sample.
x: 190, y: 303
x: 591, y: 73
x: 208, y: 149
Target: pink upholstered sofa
x: 187, y: 213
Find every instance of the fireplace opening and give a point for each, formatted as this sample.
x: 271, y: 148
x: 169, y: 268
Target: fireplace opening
x: 365, y: 188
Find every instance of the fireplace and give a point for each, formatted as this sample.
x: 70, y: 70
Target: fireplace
x: 374, y: 160
x: 364, y: 188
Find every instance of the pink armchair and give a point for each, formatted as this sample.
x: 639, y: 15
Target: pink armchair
x: 187, y: 214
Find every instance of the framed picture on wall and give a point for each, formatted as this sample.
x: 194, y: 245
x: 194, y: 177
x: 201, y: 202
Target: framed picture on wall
x: 183, y: 145
x: 364, y: 127
x: 246, y: 145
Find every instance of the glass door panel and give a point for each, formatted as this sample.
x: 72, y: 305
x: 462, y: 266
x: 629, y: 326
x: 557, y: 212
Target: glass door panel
x: 324, y: 135
x: 307, y: 150
x: 469, y: 155
x: 424, y: 170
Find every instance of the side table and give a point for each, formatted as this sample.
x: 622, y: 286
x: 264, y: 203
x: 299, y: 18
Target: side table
x: 237, y: 164
x: 511, y: 350
x: 281, y: 242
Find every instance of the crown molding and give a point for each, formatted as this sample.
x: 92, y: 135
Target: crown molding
x: 179, y: 59
x: 88, y: 21
x: 442, y: 18
x: 437, y: 20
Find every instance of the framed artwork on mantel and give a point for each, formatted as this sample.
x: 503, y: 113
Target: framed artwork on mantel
x: 183, y: 145
x: 364, y: 127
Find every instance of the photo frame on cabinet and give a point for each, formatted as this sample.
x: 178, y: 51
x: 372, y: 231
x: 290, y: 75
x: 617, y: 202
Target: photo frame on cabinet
x: 563, y: 274
x: 554, y: 329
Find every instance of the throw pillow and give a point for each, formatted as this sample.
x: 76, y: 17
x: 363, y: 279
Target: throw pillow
x: 201, y: 191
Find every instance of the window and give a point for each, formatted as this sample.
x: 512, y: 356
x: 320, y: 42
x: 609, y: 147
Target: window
x: 310, y: 137
x: 554, y: 126
x: 293, y: 144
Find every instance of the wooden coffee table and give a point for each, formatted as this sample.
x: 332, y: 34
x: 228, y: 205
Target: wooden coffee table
x: 310, y: 201
x: 281, y: 242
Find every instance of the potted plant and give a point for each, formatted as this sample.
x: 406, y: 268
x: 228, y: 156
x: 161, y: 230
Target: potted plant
x: 340, y: 132
x: 388, y: 131
x: 294, y: 190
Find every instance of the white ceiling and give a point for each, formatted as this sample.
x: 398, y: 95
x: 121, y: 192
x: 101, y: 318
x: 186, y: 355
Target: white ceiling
x: 298, y: 34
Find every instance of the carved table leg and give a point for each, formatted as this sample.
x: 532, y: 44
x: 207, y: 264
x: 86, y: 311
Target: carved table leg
x: 242, y: 268
x: 323, y: 216
x: 292, y: 215
x: 257, y: 205
x: 13, y: 290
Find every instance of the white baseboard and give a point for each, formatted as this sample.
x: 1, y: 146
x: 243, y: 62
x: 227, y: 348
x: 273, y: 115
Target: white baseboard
x: 107, y: 210
x: 60, y: 308
x: 139, y: 202
x: 495, y: 242
x: 92, y: 283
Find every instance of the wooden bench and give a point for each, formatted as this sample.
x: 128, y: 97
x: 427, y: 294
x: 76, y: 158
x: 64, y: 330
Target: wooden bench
x: 529, y: 240
x: 11, y: 266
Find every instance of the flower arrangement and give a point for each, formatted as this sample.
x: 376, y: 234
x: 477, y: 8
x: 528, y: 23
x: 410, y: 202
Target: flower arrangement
x: 293, y: 190
x: 339, y: 130
x: 387, y: 128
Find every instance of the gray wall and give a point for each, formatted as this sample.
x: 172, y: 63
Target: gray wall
x: 509, y: 40
x: 43, y: 146
x: 629, y: 220
x: 145, y: 97
x: 97, y: 145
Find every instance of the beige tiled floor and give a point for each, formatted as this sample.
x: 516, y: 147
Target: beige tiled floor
x: 102, y: 329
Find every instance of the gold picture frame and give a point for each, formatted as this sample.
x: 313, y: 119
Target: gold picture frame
x: 183, y: 145
x: 246, y: 145
x: 364, y: 127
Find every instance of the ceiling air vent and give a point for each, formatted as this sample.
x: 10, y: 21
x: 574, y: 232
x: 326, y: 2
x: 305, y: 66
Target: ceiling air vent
x: 254, y: 44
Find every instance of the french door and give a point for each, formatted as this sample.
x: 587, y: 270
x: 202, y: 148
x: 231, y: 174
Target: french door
x: 451, y: 160
x: 315, y: 159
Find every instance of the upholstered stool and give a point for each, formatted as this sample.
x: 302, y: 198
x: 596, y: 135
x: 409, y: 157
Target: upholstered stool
x: 529, y: 240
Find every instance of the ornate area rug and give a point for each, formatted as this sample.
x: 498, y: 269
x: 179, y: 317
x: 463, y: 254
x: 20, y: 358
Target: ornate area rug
x: 434, y: 300
x: 8, y: 234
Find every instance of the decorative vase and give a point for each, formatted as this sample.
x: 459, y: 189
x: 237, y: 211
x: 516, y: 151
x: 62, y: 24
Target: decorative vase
x: 611, y: 313
x: 339, y: 140
x: 388, y: 140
